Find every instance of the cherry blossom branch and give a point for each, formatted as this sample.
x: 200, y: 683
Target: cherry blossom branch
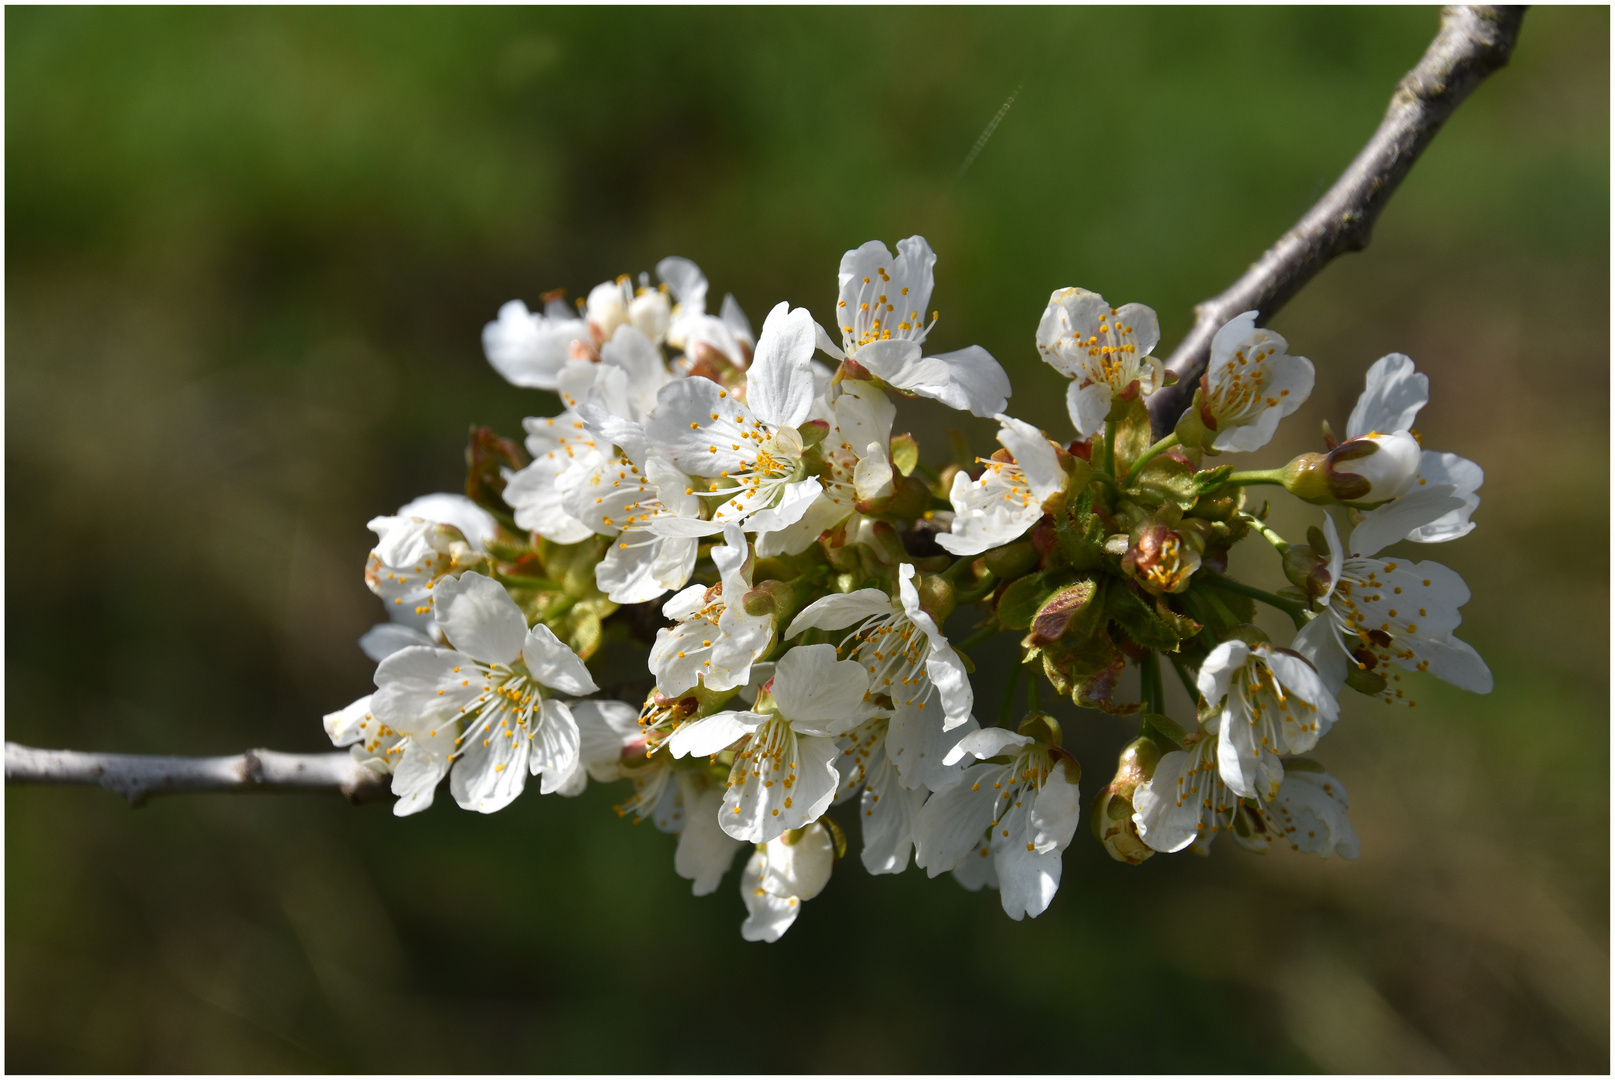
x: 1473, y: 42
x: 137, y: 777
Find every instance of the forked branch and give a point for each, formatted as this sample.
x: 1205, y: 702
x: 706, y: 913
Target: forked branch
x: 1474, y: 41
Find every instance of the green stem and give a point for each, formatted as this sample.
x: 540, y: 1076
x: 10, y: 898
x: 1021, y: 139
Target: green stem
x: 1144, y: 459
x: 1033, y: 704
x: 1290, y: 607
x: 1256, y: 476
x: 1007, y: 706
x: 1279, y: 543
x: 1149, y: 680
x: 989, y: 582
x: 1110, y: 447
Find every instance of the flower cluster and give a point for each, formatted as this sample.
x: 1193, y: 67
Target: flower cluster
x: 749, y: 489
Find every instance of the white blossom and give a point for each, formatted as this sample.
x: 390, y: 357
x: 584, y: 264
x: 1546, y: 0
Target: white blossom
x: 1023, y: 813
x: 900, y: 645
x: 1272, y: 703
x: 1251, y: 383
x: 784, y: 775
x: 1394, y: 395
x: 1309, y: 814
x: 429, y: 538
x: 371, y: 743
x: 880, y: 311
x: 480, y: 707
x: 751, y: 446
x: 779, y: 876
x: 529, y: 349
x: 1383, y: 611
x: 1105, y: 351
x: 714, y: 640
x: 1185, y: 800
x: 1008, y: 497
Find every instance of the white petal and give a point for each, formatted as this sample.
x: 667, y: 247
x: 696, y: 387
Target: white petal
x: 1465, y: 478
x: 839, y: 610
x: 1166, y: 819
x: 694, y: 449
x: 475, y: 523
x: 384, y: 639
x: 889, y: 813
x: 1027, y: 878
x: 555, y: 746
x: 820, y: 694
x: 684, y: 280
x: 705, y: 852
x: 491, y: 771
x: 767, y: 916
x: 711, y: 734
x: 917, y: 745
x: 1400, y: 518
x: 801, y: 869
x: 1310, y: 814
x: 756, y: 809
x: 1219, y: 667
x: 986, y: 743
x: 779, y: 384
x: 1392, y: 399
x: 415, y: 778
x: 554, y: 665
x: 1088, y: 406
x: 953, y: 821
x: 794, y: 502
x: 604, y: 728
x: 1034, y: 454
x: 974, y: 382
x: 346, y: 726
x: 1319, y: 643
x: 1057, y: 810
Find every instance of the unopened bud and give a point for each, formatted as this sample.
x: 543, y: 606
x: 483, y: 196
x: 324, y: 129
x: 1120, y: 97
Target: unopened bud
x: 1112, y: 813
x: 1159, y: 559
x: 605, y: 310
x: 1012, y: 560
x: 1307, y: 570
x: 909, y: 500
x: 651, y: 312
x: 1042, y: 727
x: 936, y: 596
x: 1370, y: 469
x: 774, y: 598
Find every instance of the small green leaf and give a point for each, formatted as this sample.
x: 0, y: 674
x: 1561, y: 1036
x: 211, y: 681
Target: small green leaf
x: 1022, y: 599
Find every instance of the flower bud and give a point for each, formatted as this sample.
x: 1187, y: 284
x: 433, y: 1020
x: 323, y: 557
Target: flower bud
x: 1041, y: 727
x: 1159, y: 558
x: 606, y: 309
x: 1370, y: 469
x: 1012, y: 560
x: 936, y: 596
x: 1307, y: 570
x: 651, y: 312
x: 1112, y: 814
x: 1374, y: 468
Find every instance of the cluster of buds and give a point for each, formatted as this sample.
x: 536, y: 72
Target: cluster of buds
x: 737, y: 508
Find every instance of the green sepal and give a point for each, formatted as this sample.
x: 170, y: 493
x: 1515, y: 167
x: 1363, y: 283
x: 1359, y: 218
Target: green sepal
x: 1168, y: 479
x: 905, y: 453
x: 1133, y: 434
x: 1136, y: 617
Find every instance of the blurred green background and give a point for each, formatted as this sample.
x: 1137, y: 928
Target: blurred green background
x: 249, y: 254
